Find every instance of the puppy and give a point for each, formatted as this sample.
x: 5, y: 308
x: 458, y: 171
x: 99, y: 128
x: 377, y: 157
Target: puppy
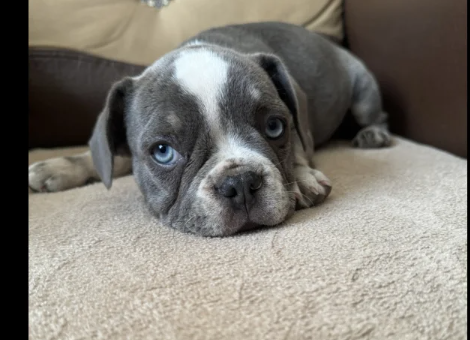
x: 220, y: 133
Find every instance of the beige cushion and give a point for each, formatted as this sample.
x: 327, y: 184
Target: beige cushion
x: 385, y: 257
x: 130, y: 31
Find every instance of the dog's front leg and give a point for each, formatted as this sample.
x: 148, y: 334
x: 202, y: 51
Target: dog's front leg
x: 63, y: 173
x: 311, y: 186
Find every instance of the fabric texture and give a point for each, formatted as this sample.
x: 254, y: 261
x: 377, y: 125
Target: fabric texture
x: 383, y: 258
x: 132, y: 32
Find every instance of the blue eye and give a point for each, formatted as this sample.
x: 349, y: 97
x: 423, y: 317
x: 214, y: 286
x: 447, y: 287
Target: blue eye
x: 274, y: 128
x: 164, y: 154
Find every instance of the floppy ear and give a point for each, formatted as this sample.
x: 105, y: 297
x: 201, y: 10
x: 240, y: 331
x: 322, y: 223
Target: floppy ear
x: 290, y: 93
x: 109, y: 135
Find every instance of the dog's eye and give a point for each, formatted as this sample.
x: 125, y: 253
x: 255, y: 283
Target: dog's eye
x: 165, y: 154
x: 274, y: 128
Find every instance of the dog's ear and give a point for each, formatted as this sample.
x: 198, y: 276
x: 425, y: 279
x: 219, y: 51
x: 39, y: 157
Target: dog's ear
x: 290, y: 93
x: 109, y: 134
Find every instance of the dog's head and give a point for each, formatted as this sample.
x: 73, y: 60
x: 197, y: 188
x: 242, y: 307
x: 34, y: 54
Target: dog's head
x: 211, y: 133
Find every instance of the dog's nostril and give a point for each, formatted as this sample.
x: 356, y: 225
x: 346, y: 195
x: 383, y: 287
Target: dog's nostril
x: 255, y: 181
x: 227, y: 189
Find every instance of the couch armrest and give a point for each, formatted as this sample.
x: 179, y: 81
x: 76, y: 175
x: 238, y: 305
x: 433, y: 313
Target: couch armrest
x: 66, y: 93
x: 418, y: 52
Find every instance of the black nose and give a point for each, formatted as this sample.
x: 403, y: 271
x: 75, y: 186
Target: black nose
x: 240, y: 189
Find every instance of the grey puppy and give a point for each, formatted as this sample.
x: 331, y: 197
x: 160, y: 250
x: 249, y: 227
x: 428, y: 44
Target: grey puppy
x: 220, y: 132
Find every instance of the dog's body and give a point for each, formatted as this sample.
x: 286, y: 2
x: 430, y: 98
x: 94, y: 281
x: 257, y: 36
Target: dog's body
x: 220, y: 132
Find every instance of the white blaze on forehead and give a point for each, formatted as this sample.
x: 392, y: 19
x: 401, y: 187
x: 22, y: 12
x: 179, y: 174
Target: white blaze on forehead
x: 203, y: 74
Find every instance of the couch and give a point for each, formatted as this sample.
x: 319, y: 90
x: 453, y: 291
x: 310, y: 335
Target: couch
x: 384, y: 257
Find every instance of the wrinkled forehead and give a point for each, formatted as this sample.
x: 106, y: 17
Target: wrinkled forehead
x: 218, y: 85
x: 225, y: 86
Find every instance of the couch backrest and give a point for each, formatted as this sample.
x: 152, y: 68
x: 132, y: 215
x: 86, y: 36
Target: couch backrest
x: 79, y: 48
x: 132, y: 32
x: 418, y: 52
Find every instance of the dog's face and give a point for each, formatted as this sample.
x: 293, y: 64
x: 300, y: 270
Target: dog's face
x: 211, y: 134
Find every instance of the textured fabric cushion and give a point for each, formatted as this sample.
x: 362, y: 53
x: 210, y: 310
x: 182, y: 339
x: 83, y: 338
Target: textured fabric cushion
x: 130, y: 31
x: 385, y: 257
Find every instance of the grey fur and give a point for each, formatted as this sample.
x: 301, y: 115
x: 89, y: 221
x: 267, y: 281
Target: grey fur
x: 301, y: 77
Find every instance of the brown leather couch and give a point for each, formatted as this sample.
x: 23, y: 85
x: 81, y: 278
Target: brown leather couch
x: 417, y: 50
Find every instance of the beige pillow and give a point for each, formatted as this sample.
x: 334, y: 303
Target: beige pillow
x: 130, y: 31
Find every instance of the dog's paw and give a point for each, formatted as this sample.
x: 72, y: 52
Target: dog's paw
x: 57, y: 174
x: 372, y: 137
x: 312, y: 187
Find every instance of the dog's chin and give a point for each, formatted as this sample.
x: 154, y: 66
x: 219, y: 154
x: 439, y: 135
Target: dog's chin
x: 230, y: 230
x: 230, y: 227
x: 242, y: 224
x: 248, y: 226
x: 223, y: 220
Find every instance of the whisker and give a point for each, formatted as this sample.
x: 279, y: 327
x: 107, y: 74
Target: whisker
x: 189, y: 219
x: 297, y: 181
x: 295, y: 192
x: 279, y: 163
